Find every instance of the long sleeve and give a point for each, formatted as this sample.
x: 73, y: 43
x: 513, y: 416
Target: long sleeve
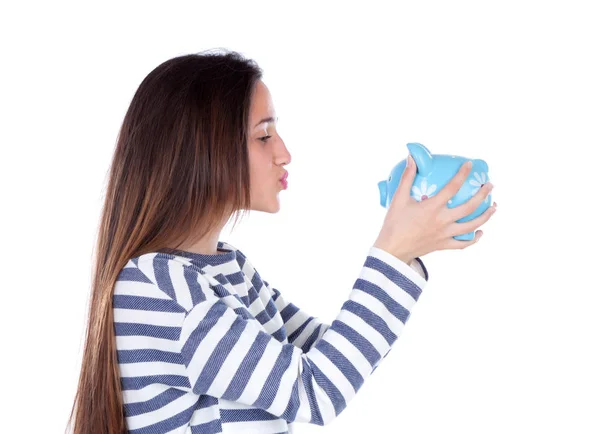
x: 303, y: 329
x: 231, y: 357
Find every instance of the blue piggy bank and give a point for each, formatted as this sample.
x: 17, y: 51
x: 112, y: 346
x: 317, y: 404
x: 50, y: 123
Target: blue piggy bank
x: 433, y: 173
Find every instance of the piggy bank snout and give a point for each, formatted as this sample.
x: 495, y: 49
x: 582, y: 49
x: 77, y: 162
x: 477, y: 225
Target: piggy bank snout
x: 382, y: 193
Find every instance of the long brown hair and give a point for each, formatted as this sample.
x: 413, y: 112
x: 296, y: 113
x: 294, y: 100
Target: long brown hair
x: 180, y: 168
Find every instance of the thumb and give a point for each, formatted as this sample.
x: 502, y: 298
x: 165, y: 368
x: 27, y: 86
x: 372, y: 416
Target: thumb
x: 406, y: 180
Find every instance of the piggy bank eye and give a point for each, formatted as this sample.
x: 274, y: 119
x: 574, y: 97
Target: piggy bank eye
x: 390, y: 178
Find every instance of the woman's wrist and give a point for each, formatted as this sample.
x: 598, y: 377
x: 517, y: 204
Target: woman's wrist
x: 404, y: 257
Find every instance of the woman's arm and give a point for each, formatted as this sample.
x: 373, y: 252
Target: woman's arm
x: 302, y: 329
x: 227, y: 356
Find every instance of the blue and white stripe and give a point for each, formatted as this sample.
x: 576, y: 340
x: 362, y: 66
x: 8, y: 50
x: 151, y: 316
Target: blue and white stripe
x: 206, y: 345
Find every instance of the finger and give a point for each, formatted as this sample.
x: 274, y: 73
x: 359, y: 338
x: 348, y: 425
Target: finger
x: 453, y: 244
x: 471, y: 225
x: 406, y: 180
x: 471, y: 205
x: 452, y: 187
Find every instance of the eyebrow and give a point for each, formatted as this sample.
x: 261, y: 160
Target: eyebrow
x: 271, y: 119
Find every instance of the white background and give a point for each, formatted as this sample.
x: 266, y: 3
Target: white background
x: 505, y: 336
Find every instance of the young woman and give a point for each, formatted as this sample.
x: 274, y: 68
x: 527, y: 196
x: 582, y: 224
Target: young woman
x: 184, y: 335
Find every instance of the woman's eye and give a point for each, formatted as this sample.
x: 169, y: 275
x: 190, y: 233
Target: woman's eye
x: 264, y: 139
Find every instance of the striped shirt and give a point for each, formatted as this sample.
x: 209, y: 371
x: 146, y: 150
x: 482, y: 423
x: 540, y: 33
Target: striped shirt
x: 205, y: 345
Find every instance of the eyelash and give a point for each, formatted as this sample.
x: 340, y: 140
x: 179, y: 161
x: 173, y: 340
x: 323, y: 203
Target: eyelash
x: 264, y: 139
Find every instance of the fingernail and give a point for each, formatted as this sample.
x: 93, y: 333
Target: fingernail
x: 408, y: 161
x: 469, y: 164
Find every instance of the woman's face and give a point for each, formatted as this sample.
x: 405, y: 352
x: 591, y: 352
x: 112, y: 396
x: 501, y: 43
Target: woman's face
x: 267, y: 155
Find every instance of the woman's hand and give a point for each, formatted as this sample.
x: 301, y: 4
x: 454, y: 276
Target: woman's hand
x: 412, y: 229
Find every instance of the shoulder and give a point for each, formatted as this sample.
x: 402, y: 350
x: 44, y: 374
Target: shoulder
x: 248, y: 268
x: 155, y: 264
x: 174, y: 276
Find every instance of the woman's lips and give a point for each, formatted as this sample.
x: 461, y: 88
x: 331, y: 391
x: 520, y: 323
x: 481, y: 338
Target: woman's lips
x: 283, y: 180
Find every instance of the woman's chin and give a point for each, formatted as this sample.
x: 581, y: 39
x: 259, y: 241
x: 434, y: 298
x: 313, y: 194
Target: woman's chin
x: 274, y: 208
x: 271, y: 207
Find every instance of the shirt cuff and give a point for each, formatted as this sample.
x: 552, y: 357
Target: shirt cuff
x: 416, y: 271
x: 418, y: 265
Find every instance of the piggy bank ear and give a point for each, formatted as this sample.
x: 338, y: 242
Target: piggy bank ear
x: 482, y: 164
x: 422, y: 157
